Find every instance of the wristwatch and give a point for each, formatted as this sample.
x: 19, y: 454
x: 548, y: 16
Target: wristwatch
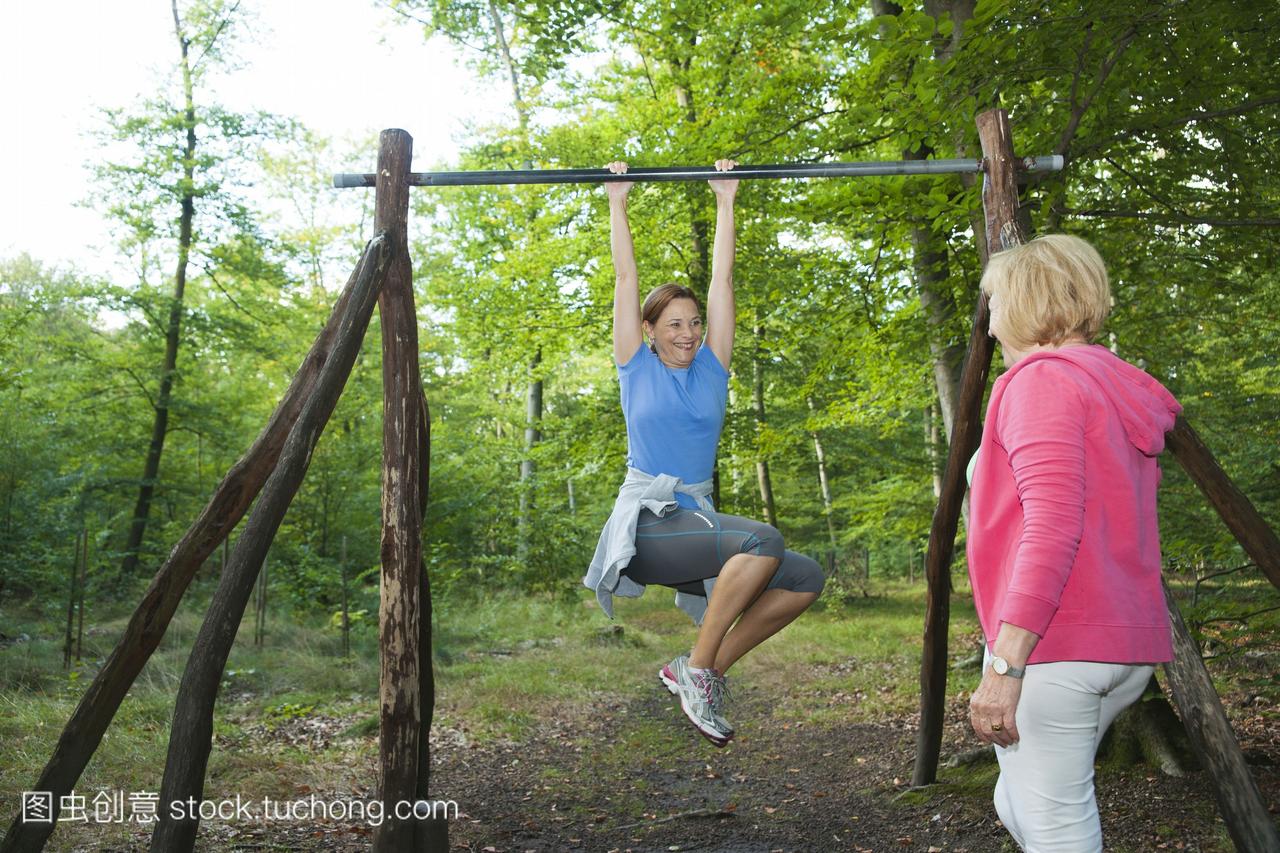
x: 1001, y: 667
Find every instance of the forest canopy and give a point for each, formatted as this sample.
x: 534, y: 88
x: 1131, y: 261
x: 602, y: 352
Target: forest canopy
x: 854, y: 295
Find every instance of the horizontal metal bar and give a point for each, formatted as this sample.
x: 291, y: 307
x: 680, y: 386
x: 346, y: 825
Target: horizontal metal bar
x: 695, y: 173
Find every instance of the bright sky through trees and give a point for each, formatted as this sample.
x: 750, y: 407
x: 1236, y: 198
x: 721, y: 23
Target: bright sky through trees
x: 345, y: 68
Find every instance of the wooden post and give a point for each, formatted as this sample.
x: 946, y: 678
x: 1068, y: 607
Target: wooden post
x: 146, y: 628
x: 190, y: 738
x: 1239, y: 800
x: 400, y: 611
x: 1251, y: 531
x: 1000, y: 206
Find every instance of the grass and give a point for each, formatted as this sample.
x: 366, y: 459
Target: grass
x: 502, y: 663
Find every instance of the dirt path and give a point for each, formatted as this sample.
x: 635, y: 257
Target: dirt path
x: 631, y: 775
x: 580, y: 785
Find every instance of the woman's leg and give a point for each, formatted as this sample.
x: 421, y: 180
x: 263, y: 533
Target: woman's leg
x: 796, y: 585
x: 685, y: 547
x: 756, y: 578
x: 740, y: 582
x: 768, y: 614
x: 1045, y: 794
x: 751, y: 570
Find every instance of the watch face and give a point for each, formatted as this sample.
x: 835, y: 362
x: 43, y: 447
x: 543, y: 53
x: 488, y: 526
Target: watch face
x: 1000, y: 665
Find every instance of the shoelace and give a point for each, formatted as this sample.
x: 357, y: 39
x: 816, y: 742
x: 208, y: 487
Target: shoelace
x: 716, y: 688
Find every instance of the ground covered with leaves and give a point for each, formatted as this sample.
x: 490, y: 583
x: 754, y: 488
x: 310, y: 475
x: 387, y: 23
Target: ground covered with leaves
x: 644, y: 782
x: 553, y: 733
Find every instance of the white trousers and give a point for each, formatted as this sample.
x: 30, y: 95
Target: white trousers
x: 1045, y: 792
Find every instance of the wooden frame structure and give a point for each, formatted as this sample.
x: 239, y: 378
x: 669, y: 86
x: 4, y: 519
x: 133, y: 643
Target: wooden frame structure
x: 274, y: 465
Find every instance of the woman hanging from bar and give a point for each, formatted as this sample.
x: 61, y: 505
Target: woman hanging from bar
x: 1064, y: 549
x: 732, y: 575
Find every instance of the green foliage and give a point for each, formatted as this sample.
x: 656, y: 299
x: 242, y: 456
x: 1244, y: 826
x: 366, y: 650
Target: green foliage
x: 1156, y: 107
x: 355, y: 618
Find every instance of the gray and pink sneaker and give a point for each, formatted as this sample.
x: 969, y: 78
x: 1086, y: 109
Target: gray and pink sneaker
x: 702, y: 696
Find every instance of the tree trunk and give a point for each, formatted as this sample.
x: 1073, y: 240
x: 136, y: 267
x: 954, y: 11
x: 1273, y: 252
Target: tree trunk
x: 84, y: 576
x: 929, y: 248
x: 190, y: 738
x: 532, y: 436
x: 146, y: 628
x: 8, y: 507
x: 824, y: 484
x: 757, y: 395
x: 504, y: 50
x: 699, y: 264
x: 160, y: 426
x: 932, y: 444
x: 1147, y: 732
x: 71, y: 603
x: 346, y: 602
x: 533, y: 398
x: 933, y: 275
x: 699, y: 242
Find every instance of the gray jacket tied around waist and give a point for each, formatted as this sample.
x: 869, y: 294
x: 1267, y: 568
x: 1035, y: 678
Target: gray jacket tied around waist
x: 617, y: 543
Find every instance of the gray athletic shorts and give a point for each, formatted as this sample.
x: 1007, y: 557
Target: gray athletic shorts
x: 686, y: 546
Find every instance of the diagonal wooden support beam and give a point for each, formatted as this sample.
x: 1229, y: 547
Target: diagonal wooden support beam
x: 1239, y: 800
x: 191, y: 736
x: 84, y: 730
x: 1237, y: 511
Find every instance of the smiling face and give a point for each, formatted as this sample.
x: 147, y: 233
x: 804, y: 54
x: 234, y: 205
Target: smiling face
x: 678, y: 332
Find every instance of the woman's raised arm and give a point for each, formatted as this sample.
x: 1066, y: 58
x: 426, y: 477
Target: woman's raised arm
x: 722, y: 313
x: 627, y: 332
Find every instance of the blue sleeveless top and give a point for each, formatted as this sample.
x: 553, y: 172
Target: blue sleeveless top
x: 674, y: 415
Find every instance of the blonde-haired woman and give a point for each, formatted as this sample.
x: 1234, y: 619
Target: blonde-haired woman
x: 733, y: 575
x: 1063, y: 549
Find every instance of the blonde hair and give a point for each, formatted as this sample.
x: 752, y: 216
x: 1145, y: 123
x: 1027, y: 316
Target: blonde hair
x: 1050, y: 289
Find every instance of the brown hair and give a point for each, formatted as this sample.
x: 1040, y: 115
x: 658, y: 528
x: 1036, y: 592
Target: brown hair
x: 662, y: 296
x: 1050, y: 289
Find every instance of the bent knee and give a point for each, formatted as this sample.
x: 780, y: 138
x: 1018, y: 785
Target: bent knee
x: 814, y: 579
x: 798, y: 573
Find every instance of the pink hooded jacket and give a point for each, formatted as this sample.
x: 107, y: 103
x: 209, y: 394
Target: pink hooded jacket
x: 1063, y: 539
